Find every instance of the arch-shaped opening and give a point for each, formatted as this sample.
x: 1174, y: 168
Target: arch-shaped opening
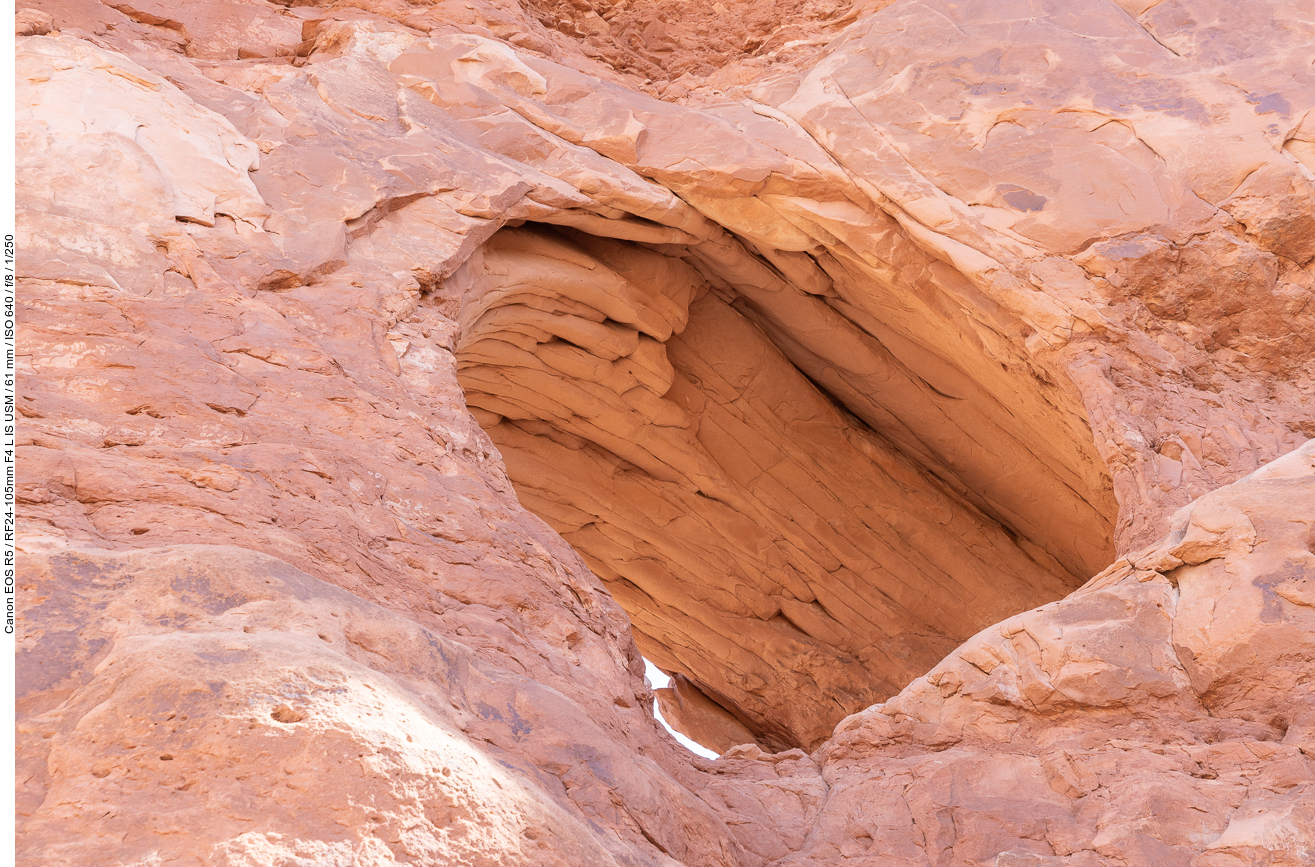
x: 803, y: 484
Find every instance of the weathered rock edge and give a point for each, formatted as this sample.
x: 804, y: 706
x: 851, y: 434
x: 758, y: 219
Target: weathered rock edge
x: 216, y: 705
x: 166, y: 402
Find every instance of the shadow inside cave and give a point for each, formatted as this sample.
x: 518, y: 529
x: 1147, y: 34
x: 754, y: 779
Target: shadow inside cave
x: 802, y: 496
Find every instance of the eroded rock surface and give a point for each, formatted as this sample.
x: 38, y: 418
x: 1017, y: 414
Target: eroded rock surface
x: 1162, y: 714
x: 726, y: 501
x: 885, y: 323
x: 211, y: 705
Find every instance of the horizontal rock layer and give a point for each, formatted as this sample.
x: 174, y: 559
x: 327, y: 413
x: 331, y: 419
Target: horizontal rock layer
x: 765, y: 541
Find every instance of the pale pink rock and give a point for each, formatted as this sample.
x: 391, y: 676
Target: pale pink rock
x: 883, y: 325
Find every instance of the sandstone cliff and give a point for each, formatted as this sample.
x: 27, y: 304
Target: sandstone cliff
x: 393, y: 374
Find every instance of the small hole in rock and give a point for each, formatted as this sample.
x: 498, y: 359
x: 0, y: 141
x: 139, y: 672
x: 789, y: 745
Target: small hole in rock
x: 166, y: 758
x: 137, y: 531
x: 285, y: 714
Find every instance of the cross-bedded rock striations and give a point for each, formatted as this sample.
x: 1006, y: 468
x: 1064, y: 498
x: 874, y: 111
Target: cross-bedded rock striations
x: 764, y: 540
x: 884, y: 324
x: 1160, y: 715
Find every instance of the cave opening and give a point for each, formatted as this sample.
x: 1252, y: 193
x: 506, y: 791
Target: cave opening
x: 804, y: 484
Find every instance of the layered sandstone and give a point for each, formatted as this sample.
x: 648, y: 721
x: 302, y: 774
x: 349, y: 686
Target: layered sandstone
x: 883, y: 324
x: 793, y: 561
x: 1163, y: 714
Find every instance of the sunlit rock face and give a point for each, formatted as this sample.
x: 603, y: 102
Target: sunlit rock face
x: 1127, y: 723
x: 223, y: 705
x: 392, y: 375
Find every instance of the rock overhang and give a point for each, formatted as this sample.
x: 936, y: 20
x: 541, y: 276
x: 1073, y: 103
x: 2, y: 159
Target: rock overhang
x: 944, y: 340
x: 1170, y: 355
x: 766, y: 541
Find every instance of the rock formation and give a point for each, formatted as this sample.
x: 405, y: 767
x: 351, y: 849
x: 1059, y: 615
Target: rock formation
x: 393, y: 374
x: 1162, y: 714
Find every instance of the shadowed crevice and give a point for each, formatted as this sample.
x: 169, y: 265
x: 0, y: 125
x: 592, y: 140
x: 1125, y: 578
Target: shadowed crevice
x: 771, y: 543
